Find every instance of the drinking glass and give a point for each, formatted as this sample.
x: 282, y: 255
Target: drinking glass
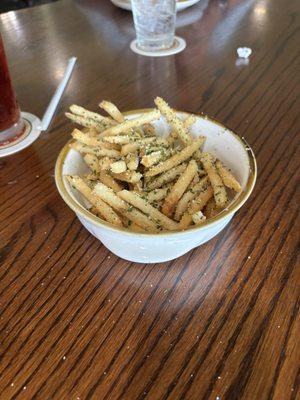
x: 154, y: 22
x: 11, y: 123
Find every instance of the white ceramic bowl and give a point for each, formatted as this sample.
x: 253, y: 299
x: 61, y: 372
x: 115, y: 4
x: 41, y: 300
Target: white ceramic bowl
x: 153, y: 248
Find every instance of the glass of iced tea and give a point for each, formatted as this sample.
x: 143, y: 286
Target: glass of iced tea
x: 11, y: 124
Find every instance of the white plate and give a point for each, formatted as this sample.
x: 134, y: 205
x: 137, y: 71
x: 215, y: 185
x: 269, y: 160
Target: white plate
x: 180, y: 5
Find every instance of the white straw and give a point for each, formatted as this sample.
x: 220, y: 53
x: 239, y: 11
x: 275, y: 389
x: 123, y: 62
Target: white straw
x: 57, y: 95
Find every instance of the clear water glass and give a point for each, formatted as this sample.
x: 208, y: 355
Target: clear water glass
x: 154, y: 22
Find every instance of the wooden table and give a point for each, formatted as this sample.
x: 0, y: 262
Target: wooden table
x: 220, y: 322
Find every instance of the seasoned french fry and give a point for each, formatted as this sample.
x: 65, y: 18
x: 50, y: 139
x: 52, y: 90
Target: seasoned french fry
x: 134, y: 215
x: 215, y: 179
x: 132, y: 162
x: 132, y: 123
x: 138, y: 202
x: 97, y: 151
x: 112, y: 110
x: 133, y: 147
x: 118, y: 167
x: 157, y: 194
x: 103, y: 209
x: 128, y: 176
x: 82, y: 112
x: 85, y: 138
x: 153, y: 158
x: 88, y: 123
x: 196, y: 205
x: 116, y: 114
x: 93, y: 162
x: 188, y: 196
x: 122, y: 139
x: 109, y: 181
x: 175, y: 122
x: 189, y: 121
x: 179, y: 188
x: 227, y: 177
x: 177, y: 159
x: 166, y: 177
x: 198, y: 218
x: 105, y: 163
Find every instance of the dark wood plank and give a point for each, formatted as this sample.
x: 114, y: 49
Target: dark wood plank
x: 222, y: 321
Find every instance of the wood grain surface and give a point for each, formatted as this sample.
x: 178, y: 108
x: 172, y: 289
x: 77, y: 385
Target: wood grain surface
x: 221, y: 322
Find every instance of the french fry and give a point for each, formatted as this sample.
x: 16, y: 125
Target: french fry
x: 227, y: 177
x: 188, y: 196
x: 166, y: 177
x: 122, y: 139
x: 105, y: 163
x: 177, y: 159
x: 179, y: 188
x: 153, y: 158
x: 86, y: 122
x: 196, y: 205
x: 103, y: 209
x: 189, y: 121
x: 175, y: 122
x: 116, y: 114
x: 138, y: 202
x: 112, y: 110
x: 109, y: 181
x: 110, y: 197
x: 118, y: 167
x: 93, y: 162
x: 198, y: 218
x: 85, y: 138
x: 157, y: 194
x: 215, y: 179
x: 97, y: 151
x: 132, y: 162
x: 131, y: 123
x: 133, y: 147
x: 128, y: 176
x: 82, y: 112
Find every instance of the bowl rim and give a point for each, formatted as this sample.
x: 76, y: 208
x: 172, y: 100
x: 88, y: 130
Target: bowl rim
x: 232, y: 208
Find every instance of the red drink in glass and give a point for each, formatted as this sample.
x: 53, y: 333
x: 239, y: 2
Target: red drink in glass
x: 11, y: 124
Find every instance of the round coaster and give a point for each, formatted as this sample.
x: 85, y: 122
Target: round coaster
x: 31, y: 132
x: 178, y: 46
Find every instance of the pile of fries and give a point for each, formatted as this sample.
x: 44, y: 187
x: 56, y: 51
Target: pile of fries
x: 144, y: 182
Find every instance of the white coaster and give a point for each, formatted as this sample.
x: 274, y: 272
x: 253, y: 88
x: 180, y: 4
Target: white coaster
x: 178, y: 46
x: 180, y: 5
x: 29, y: 135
